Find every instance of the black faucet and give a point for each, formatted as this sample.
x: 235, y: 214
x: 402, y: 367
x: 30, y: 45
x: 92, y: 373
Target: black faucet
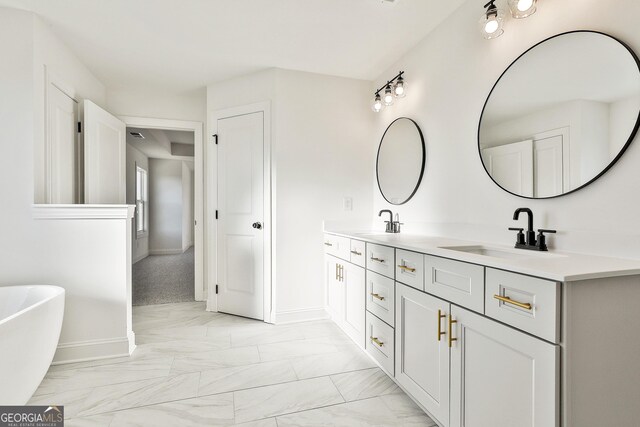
x: 530, y: 242
x: 389, y: 226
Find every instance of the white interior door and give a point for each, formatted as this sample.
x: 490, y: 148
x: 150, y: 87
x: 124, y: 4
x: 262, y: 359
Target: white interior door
x: 511, y: 166
x: 105, y: 180
x: 550, y: 163
x: 241, y: 215
x: 62, y: 147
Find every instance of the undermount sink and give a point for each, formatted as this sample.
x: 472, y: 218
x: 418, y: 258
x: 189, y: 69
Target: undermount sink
x: 390, y: 237
x: 500, y: 252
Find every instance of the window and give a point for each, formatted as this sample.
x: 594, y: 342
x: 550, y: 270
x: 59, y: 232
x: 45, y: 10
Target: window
x: 142, y: 191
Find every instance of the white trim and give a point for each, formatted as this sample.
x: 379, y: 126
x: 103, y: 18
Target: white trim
x: 83, y: 211
x: 269, y: 212
x: 81, y: 351
x: 201, y: 267
x: 177, y: 251
x: 305, y: 315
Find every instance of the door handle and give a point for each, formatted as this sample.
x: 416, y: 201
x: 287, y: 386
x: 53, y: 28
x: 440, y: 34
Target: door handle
x: 257, y: 225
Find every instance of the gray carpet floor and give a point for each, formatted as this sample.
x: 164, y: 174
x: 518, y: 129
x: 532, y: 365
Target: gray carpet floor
x: 161, y: 279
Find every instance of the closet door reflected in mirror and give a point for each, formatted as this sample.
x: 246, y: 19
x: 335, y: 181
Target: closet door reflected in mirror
x: 400, y: 162
x: 561, y: 115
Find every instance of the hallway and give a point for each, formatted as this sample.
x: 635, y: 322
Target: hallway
x: 161, y: 279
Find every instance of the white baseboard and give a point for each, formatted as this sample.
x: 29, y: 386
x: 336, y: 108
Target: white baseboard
x: 165, y: 251
x: 294, y: 316
x: 186, y: 247
x: 82, y: 351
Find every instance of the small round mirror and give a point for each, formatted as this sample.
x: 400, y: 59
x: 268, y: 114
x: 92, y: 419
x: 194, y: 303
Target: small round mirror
x: 401, y: 159
x: 561, y: 115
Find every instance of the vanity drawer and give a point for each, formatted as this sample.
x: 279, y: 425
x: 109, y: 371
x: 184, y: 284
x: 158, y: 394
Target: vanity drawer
x: 410, y: 268
x: 337, y: 246
x: 455, y: 281
x: 532, y: 304
x: 381, y: 297
x: 358, y: 251
x: 380, y: 342
x: 381, y: 259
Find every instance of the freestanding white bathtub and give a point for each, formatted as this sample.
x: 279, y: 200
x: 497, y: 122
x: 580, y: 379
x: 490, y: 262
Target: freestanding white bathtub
x: 30, y: 323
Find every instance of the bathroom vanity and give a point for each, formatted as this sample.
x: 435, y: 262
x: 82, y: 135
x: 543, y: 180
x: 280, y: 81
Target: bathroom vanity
x: 483, y: 335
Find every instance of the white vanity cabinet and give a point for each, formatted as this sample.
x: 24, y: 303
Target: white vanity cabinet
x: 548, y: 341
x: 500, y: 377
x: 345, y: 292
x: 422, y: 349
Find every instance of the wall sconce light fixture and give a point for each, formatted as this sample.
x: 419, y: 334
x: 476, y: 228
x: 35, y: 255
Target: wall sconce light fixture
x: 492, y: 19
x: 394, y: 88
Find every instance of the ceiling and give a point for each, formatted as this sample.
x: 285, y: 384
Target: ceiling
x: 182, y: 45
x: 157, y: 143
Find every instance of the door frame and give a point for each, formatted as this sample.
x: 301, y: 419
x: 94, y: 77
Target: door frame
x: 199, y: 192
x: 268, y: 208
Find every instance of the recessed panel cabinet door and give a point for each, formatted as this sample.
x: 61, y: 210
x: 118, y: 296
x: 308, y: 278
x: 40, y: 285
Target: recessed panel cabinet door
x: 354, y: 305
x: 501, y: 377
x: 335, y: 288
x: 422, y: 351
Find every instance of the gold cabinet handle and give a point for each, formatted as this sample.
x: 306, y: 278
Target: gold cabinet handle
x: 405, y: 268
x: 451, y: 338
x: 356, y: 253
x: 376, y: 259
x: 336, y: 271
x: 376, y: 341
x: 341, y: 270
x: 328, y: 244
x: 377, y: 296
x: 508, y: 300
x: 440, y: 316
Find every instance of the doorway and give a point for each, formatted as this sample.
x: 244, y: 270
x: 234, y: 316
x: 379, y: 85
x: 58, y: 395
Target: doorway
x: 164, y: 182
x: 240, y: 239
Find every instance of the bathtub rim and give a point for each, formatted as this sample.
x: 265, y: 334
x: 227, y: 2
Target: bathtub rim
x: 59, y: 291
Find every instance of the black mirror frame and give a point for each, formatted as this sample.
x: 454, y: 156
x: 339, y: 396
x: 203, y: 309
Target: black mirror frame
x: 424, y: 158
x: 620, y: 153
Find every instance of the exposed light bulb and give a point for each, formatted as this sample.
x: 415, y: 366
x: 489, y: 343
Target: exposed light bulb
x: 388, y: 96
x: 492, y: 20
x: 522, y: 8
x: 400, y: 88
x: 377, y: 105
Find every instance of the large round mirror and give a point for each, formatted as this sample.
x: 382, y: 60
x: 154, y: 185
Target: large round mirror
x: 400, y: 163
x: 561, y: 115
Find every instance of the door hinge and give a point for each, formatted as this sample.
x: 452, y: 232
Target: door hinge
x: 79, y: 127
x: 216, y: 289
x: 216, y: 214
x: 215, y: 138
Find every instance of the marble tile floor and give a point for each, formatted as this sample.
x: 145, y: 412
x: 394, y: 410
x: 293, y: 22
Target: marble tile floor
x: 195, y: 368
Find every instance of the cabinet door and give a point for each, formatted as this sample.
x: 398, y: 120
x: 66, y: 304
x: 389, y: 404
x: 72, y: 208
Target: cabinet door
x: 422, y: 353
x: 501, y: 377
x: 354, y: 303
x: 335, y: 288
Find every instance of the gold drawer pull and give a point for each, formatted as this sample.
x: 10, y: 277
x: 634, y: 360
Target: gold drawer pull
x: 328, y: 244
x: 356, y: 253
x: 377, y: 259
x: 377, y: 341
x: 440, y: 316
x: 508, y: 300
x: 376, y: 296
x: 451, y: 338
x: 405, y: 268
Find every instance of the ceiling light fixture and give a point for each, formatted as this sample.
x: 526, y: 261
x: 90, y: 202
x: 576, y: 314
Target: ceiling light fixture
x: 522, y: 8
x: 491, y: 21
x: 394, y: 88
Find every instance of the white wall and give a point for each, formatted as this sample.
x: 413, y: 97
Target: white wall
x: 449, y: 75
x: 53, y: 252
x: 186, y: 106
x: 51, y: 54
x: 140, y: 244
x: 320, y: 134
x: 165, y: 206
x: 187, y: 206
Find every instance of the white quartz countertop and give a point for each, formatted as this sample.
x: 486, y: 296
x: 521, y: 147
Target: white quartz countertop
x: 553, y: 265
